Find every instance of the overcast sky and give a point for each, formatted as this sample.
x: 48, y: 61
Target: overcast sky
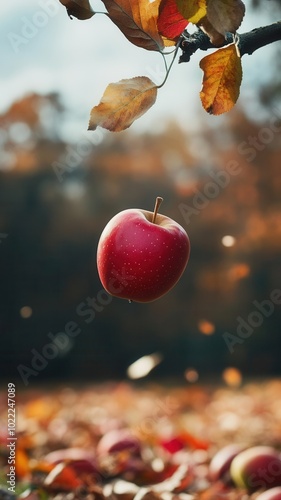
x: 79, y: 58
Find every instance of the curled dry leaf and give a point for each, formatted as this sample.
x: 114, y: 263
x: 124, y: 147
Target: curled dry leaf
x: 78, y: 8
x: 216, y: 38
x: 222, y: 80
x: 193, y: 10
x: 137, y: 19
x: 122, y: 103
x: 170, y: 23
x: 225, y: 15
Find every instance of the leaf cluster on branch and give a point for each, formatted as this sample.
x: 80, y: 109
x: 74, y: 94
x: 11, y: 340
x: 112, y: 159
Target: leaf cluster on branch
x: 159, y: 25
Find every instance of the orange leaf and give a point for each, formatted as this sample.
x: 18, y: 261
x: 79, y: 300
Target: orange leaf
x: 122, y: 103
x: 137, y: 19
x: 42, y: 409
x: 22, y: 463
x: 170, y: 21
x: 192, y: 10
x: 62, y: 477
x: 225, y: 15
x: 44, y: 468
x: 193, y: 441
x: 222, y: 80
x: 78, y: 8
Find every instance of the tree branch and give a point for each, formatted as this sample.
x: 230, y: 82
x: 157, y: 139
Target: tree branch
x: 248, y: 42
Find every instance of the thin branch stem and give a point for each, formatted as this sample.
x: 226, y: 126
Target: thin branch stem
x: 170, y: 67
x: 165, y: 62
x: 248, y: 42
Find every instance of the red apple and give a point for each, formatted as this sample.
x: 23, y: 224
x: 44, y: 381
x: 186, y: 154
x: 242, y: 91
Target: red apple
x: 118, y: 440
x: 141, y: 255
x: 257, y: 467
x: 221, y: 461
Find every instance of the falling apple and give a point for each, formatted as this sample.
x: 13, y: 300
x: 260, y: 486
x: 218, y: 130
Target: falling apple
x: 141, y: 255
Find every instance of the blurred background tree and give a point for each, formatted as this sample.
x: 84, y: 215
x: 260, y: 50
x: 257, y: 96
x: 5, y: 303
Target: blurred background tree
x: 270, y: 93
x: 52, y: 225
x: 50, y: 220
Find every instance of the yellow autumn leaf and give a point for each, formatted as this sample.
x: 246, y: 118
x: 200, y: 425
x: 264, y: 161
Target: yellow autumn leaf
x: 122, y: 103
x: 225, y: 15
x: 192, y: 10
x: 221, y: 81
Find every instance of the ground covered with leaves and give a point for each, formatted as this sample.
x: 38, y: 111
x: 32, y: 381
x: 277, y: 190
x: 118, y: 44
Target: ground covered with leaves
x: 124, y: 442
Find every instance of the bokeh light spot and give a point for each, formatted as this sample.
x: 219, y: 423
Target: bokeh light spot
x: 26, y: 312
x: 228, y: 241
x: 232, y: 377
x: 191, y: 375
x: 206, y: 327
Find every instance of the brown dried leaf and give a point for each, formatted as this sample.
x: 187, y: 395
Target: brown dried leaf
x: 122, y: 103
x: 225, y: 15
x: 217, y: 39
x: 222, y: 80
x: 78, y: 8
x: 137, y: 19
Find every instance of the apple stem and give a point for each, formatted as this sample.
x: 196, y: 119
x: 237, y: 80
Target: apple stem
x: 156, y: 208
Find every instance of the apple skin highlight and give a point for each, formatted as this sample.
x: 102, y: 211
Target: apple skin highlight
x: 140, y: 260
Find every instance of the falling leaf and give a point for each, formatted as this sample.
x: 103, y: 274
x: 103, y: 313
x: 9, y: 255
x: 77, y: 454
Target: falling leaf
x: 193, y: 10
x: 122, y: 103
x: 170, y: 21
x: 137, y: 19
x: 222, y: 80
x: 143, y: 366
x: 78, y: 8
x: 225, y: 15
